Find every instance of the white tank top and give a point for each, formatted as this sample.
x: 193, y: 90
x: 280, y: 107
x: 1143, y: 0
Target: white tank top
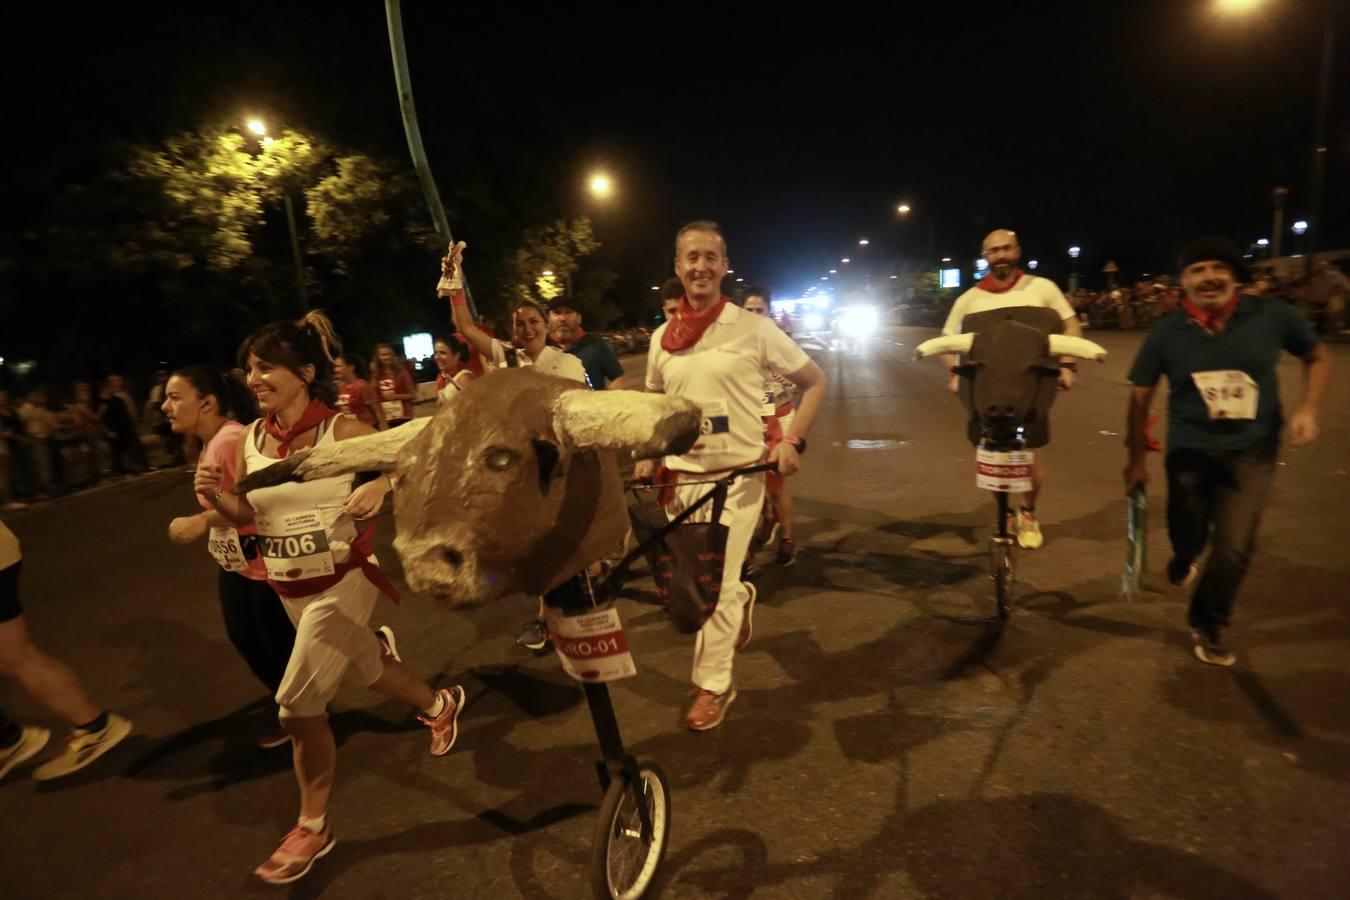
x: 302, y: 531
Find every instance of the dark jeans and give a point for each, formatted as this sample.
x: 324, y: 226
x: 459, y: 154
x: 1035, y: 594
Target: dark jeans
x: 22, y: 479
x: 1217, y: 496
x: 258, y: 626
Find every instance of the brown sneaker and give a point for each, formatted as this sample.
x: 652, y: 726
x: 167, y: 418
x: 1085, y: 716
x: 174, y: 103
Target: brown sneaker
x: 445, y: 727
x: 747, y: 618
x: 708, y: 709
x: 296, y: 855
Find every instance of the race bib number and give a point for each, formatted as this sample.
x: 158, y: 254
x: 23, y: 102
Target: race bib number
x: 1003, y: 472
x: 768, y: 404
x: 393, y: 409
x: 1228, y: 394
x: 224, y: 547
x: 714, y: 428
x: 295, y: 546
x: 592, y: 647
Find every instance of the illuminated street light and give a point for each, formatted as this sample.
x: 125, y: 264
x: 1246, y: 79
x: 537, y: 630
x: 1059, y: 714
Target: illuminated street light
x: 601, y: 185
x: 257, y: 127
x: 824, y: 278
x: 946, y: 259
x: 547, y: 273
x: 845, y: 260
x: 1300, y: 226
x: 1263, y: 242
x: 1237, y: 7
x: 1075, y: 250
x: 903, y: 209
x: 834, y: 271
x: 1033, y: 263
x: 895, y: 276
x: 731, y: 271
x: 656, y: 287
x: 864, y: 242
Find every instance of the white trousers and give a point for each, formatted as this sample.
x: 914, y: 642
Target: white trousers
x: 333, y: 643
x: 715, y: 646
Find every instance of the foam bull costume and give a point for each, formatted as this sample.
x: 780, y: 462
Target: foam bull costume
x: 511, y: 488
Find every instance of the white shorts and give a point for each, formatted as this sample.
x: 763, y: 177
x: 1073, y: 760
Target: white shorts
x: 333, y: 643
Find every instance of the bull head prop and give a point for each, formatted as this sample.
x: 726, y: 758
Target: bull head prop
x: 1010, y: 370
x: 513, y: 486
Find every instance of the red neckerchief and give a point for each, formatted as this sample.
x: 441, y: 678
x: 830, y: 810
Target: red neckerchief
x: 576, y: 336
x: 316, y: 412
x: 988, y: 283
x: 1212, y: 320
x: 688, y: 324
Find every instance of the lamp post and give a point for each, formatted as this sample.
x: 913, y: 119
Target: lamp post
x: 259, y: 128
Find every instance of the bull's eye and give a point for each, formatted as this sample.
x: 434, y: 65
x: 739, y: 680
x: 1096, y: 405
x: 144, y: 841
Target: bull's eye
x: 499, y: 459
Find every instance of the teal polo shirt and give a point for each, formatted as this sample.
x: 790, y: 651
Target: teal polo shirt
x: 1177, y: 347
x: 598, y: 357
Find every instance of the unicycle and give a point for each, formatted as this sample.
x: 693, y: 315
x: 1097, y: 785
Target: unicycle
x: 1003, y: 466
x: 633, y: 826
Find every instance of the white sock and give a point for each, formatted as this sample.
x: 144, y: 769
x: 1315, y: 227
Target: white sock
x: 436, y: 708
x: 315, y: 825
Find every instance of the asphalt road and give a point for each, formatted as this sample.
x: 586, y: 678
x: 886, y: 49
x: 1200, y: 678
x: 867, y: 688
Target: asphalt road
x: 889, y: 740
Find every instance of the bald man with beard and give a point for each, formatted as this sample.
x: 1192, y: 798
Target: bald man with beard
x: 1007, y: 285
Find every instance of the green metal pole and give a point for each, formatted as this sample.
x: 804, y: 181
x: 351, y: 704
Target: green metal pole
x: 403, y: 80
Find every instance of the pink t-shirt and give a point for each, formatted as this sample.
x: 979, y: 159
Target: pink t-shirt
x: 222, y: 450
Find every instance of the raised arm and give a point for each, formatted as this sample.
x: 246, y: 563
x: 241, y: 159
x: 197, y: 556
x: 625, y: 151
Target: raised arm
x: 451, y: 287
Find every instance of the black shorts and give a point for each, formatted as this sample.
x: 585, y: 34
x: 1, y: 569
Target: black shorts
x: 9, y: 593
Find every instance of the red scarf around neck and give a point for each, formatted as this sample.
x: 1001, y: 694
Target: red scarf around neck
x: 988, y: 283
x: 1212, y: 320
x: 688, y: 324
x: 315, y: 413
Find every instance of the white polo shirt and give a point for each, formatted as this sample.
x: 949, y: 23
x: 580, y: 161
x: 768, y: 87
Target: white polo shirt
x: 723, y: 374
x: 1029, y: 291
x: 551, y: 361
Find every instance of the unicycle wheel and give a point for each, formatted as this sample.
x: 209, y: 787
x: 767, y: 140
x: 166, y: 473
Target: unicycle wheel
x: 624, y: 861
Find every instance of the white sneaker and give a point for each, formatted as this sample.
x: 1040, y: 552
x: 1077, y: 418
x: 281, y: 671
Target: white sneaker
x: 83, y: 747
x: 31, y: 740
x: 1028, y: 530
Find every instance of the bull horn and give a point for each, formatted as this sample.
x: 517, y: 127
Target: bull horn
x: 948, y: 343
x: 370, y: 453
x: 645, y: 425
x: 1064, y: 345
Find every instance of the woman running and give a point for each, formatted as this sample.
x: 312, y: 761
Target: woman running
x: 355, y: 396
x: 201, y: 402
x: 321, y: 566
x: 394, y: 385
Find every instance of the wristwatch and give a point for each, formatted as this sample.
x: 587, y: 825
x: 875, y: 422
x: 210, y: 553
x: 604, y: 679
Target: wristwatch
x: 798, y: 442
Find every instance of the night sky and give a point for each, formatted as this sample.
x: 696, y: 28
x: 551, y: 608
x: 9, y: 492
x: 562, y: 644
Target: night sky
x: 1125, y: 129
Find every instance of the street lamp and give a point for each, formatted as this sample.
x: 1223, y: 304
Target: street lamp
x: 1033, y: 263
x: 1300, y: 226
x: 1074, y: 251
x: 903, y: 209
x: 864, y: 242
x: 547, y: 273
x: 1263, y: 242
x: 656, y: 287
x: 601, y: 185
x: 845, y: 260
x: 259, y: 128
x: 1236, y: 8
x: 946, y: 259
x: 834, y: 271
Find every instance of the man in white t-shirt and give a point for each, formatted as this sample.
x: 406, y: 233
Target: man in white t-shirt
x: 715, y: 354
x: 1007, y: 285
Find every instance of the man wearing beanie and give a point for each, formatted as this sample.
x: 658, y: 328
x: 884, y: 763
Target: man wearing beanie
x: 1219, y: 351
